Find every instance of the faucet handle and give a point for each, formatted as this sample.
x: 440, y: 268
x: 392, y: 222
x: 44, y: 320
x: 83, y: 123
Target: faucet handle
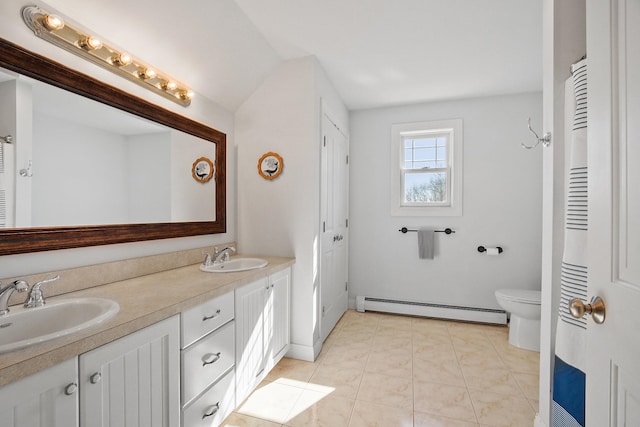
x: 229, y: 250
x: 36, y: 297
x: 207, y: 259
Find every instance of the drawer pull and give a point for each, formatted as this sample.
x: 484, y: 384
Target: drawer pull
x: 211, y: 410
x: 213, y: 316
x: 210, y: 358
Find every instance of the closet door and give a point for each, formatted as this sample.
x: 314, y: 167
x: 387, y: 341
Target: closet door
x: 334, y: 200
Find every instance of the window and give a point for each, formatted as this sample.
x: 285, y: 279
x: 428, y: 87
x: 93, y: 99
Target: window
x: 426, y: 169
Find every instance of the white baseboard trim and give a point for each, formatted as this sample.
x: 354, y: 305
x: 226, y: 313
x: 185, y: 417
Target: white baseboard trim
x: 301, y: 352
x: 538, y: 422
x: 317, y: 348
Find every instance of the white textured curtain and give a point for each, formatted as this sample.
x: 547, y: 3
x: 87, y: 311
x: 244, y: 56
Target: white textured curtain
x: 569, y: 369
x: 3, y: 192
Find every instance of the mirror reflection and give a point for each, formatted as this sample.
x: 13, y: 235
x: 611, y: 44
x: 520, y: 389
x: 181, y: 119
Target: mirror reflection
x: 75, y: 161
x: 16, y: 118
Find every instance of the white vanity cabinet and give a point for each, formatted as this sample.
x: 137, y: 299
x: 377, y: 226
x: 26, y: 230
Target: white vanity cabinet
x: 208, y: 360
x: 134, y: 380
x: 48, y: 398
x: 191, y: 369
x: 262, y: 329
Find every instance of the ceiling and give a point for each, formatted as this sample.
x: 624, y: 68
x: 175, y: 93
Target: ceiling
x: 376, y: 52
x: 389, y: 52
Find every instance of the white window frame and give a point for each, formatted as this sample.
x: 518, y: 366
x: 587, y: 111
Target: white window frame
x: 453, y: 205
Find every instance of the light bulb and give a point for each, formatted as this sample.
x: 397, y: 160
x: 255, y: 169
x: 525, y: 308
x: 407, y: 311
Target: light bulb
x: 185, y: 95
x: 168, y: 85
x: 53, y: 22
x: 90, y: 43
x: 146, y: 73
x: 121, y: 59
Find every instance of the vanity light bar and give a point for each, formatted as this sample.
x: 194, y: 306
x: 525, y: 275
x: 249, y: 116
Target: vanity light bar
x: 53, y: 28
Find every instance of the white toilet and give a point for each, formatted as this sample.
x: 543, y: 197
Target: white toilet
x: 524, y: 306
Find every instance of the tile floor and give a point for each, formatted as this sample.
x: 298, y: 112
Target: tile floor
x: 395, y: 371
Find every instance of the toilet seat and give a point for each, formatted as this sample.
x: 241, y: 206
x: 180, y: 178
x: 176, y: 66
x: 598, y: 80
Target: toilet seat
x: 520, y: 295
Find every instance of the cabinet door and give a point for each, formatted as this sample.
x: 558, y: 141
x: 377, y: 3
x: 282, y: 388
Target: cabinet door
x: 48, y: 398
x: 133, y: 381
x: 278, y: 341
x: 250, y: 305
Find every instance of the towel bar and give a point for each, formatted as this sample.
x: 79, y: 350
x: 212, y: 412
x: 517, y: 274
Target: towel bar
x: 445, y: 231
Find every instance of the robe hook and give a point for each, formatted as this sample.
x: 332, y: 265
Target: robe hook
x: 546, y: 138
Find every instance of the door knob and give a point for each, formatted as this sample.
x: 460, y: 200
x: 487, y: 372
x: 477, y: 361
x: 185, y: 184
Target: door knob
x: 596, y: 309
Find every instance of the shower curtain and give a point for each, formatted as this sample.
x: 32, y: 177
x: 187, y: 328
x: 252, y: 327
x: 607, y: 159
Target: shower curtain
x: 3, y: 196
x: 569, y: 369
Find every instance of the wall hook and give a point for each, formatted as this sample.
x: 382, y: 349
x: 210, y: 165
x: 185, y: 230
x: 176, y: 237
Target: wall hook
x: 28, y: 172
x: 7, y: 138
x: 546, y: 138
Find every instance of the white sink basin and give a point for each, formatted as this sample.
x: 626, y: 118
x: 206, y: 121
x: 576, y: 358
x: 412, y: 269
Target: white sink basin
x: 235, y: 264
x: 23, y: 327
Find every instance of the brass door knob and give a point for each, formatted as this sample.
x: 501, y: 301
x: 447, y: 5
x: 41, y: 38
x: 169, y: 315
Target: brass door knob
x: 596, y: 309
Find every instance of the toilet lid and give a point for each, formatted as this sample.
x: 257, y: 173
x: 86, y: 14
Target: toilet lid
x: 520, y: 295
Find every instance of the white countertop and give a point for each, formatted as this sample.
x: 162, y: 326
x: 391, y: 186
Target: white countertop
x: 143, y: 301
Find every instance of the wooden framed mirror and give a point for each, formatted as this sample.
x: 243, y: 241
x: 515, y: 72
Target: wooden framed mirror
x: 45, y: 238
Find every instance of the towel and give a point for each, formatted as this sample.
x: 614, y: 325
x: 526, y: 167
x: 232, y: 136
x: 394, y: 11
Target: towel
x: 3, y: 199
x: 568, y: 405
x: 425, y: 243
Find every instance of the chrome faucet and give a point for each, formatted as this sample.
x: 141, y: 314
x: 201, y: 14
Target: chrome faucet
x: 36, y: 297
x: 5, y: 294
x: 207, y: 259
x: 223, y: 253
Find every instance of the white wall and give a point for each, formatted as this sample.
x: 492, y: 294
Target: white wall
x: 69, y: 160
x: 149, y: 184
x: 281, y: 217
x: 191, y: 200
x: 501, y: 207
x: 206, y: 111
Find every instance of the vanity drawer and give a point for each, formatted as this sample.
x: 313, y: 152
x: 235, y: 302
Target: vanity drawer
x: 206, y: 361
x: 199, y: 321
x: 212, y: 407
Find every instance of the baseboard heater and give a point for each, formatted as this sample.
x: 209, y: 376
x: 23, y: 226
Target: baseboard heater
x: 424, y: 309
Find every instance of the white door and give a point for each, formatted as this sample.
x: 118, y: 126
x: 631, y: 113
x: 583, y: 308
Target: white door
x: 334, y: 207
x: 613, y: 348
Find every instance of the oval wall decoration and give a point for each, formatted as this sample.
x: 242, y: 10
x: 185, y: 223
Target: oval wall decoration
x: 270, y: 165
x: 202, y: 170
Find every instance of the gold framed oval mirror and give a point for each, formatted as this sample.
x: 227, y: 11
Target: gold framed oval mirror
x: 45, y: 238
